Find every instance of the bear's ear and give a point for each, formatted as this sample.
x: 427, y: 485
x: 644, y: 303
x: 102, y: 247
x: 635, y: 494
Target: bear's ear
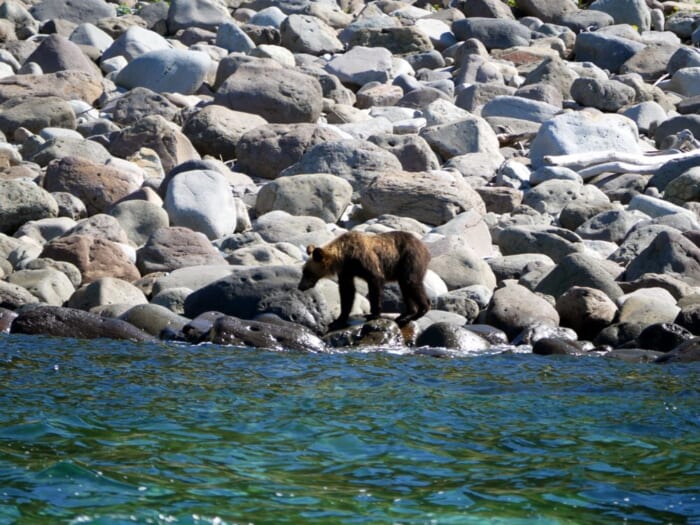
x: 310, y: 249
x: 317, y: 254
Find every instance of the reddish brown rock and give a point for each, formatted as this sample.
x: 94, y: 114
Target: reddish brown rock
x: 99, y: 186
x: 94, y: 257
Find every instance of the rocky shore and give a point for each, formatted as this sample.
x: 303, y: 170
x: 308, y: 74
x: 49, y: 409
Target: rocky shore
x: 164, y: 165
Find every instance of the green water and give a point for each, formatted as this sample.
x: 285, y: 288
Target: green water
x: 107, y: 432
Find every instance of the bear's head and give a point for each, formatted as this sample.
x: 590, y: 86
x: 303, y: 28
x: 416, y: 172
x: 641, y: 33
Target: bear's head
x: 317, y: 266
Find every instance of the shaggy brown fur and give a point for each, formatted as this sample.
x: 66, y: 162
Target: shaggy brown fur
x: 393, y: 256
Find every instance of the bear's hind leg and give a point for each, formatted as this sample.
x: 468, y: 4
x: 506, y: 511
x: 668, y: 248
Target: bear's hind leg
x: 416, y: 301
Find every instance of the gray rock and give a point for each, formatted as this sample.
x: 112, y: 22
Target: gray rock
x: 429, y: 197
x: 106, y: 291
x: 606, y: 51
x: 134, y: 42
x: 168, y: 249
x: 413, y: 151
x: 43, y: 230
x: 280, y: 226
x: 547, y: 11
x: 88, y: 34
x: 61, y: 147
x: 398, y: 40
x: 493, y: 33
x: 204, y: 14
x: 202, y: 201
x: 139, y: 219
x: 69, y: 322
x: 514, y: 308
x: 68, y: 269
x: 77, y: 12
x: 154, y: 319
x: 460, y: 302
x: 633, y: 12
x: 241, y: 292
x: 655, y: 207
x: 582, y: 132
x: 646, y: 115
x: 453, y: 337
x: 585, y: 309
x: 276, y: 94
x: 579, y: 270
x: 487, y: 9
x: 687, y: 352
x: 610, y: 225
x: 516, y: 265
x: 670, y: 253
x: 320, y: 195
x: 606, y: 95
x: 273, y: 336
x: 173, y: 299
x: 458, y: 138
x: 684, y: 188
x: 650, y: 62
x: 684, y: 56
x: 139, y: 103
x: 555, y: 72
x: 553, y: 195
x: 12, y: 296
x: 22, y: 201
x: 554, y: 242
x: 472, y: 97
x: 232, y: 38
x: 685, y: 81
x: 35, y: 114
x: 461, y: 268
x: 266, y: 151
x: 260, y: 254
x: 361, y: 65
x: 166, y: 71
x: 309, y: 34
x: 357, y: 161
x: 647, y: 306
x: 519, y: 108
x: 48, y: 285
x: 100, y: 226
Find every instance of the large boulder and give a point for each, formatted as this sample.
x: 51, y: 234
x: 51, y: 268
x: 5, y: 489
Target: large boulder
x: 21, y: 201
x: 168, y: 249
x: 670, y: 253
x: 166, y: 71
x: 514, y: 308
x: 276, y: 94
x: 279, y: 335
x: 432, y: 197
x: 67, y: 85
x: 35, y: 114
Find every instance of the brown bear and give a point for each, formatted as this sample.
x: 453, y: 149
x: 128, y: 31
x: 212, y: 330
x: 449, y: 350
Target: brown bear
x: 376, y: 258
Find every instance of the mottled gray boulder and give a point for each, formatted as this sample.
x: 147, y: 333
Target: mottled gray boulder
x: 156, y: 133
x: 473, y: 96
x: 102, y: 226
x: 357, y: 161
x: 12, y: 296
x: 461, y: 268
x: 280, y: 226
x: 68, y: 85
x: 139, y: 103
x: 259, y: 254
x: 579, y: 269
x: 309, y: 34
x: 68, y: 269
x: 684, y: 188
x: 240, y: 293
x: 516, y: 265
x: 464, y: 136
x: 399, y: 40
x: 59, y: 147
x: 553, y: 195
x: 166, y: 71
x: 155, y: 319
x: 43, y: 230
x: 554, y: 242
x: 413, y: 151
x: 77, y: 11
x: 168, y: 249
x: 97, y: 185
x: 646, y: 115
x: 670, y: 253
x: 584, y: 131
x: 266, y: 151
x: 202, y: 201
x: 633, y: 12
x: 139, y: 219
x: 651, y: 62
x: 134, y: 42
x: 277, y: 95
x: 673, y: 125
x: 230, y: 330
x: 70, y: 322
x: 514, y: 308
x: 647, y: 306
x: 216, y: 130
x: 606, y: 51
x: 48, y: 285
x: 319, y: 194
x: 605, y: 95
x: 20, y: 201
x: 684, y: 56
x: 204, y: 14
x: 518, y: 107
x: 360, y: 65
x: 554, y: 72
x: 637, y: 240
x: 610, y: 225
x: 453, y: 337
x: 493, y: 33
x: 656, y: 207
x: 688, y: 352
x: 587, y: 310
x: 432, y: 197
x: 106, y: 291
x: 89, y: 35
x: 546, y: 10
x: 35, y: 114
x: 190, y: 277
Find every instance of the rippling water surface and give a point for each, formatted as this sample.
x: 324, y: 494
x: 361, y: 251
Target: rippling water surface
x: 108, y: 432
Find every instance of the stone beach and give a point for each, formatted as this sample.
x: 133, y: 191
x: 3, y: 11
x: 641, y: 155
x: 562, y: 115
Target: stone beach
x: 164, y: 165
